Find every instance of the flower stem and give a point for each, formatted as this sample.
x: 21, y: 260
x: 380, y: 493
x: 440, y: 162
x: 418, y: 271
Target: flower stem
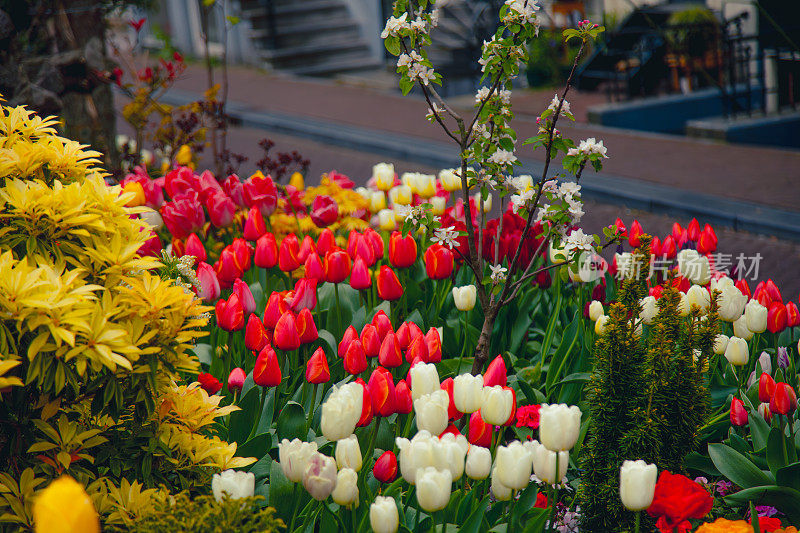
x: 296, y: 500
x: 637, y: 521
x: 338, y: 311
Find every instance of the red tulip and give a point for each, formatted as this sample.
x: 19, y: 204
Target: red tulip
x: 402, y: 396
x: 375, y: 241
x: 389, y: 287
x: 402, y: 250
x: 359, y: 246
x: 276, y: 307
x: 766, y: 387
x: 496, y: 373
x: 180, y: 180
x: 792, y: 315
x: 242, y: 252
x: 738, y: 413
x: 370, y: 340
x: 621, y: 229
x: 773, y: 291
x: 255, y: 337
x: 452, y: 412
x: 382, y: 323
x: 304, y: 295
x: 325, y: 242
x: 266, y: 251
x: 313, y: 267
x: 655, y: 246
x: 677, y: 499
x: 259, y: 192
x: 390, y: 355
x: 337, y: 266
x: 385, y: 469
x: 233, y: 188
x: 286, y: 336
x: 434, y: 344
x: 743, y: 287
x: 209, y: 284
x: 366, y: 405
x: 438, y: 262
x: 668, y: 248
x: 236, y: 379
x: 242, y: 290
x: 230, y: 315
x: 707, y: 243
x: 543, y: 280
x: 656, y: 291
x: 403, y: 336
x: 151, y: 247
x: 307, y: 247
x: 324, y: 211
x: 381, y: 391
x: 355, y: 360
x: 209, y: 383
x: 417, y: 350
x: 784, y: 400
x: 350, y: 334
x: 254, y: 226
x: 693, y: 230
x: 267, y: 371
x: 288, y: 259
x: 634, y: 234
x: 317, y: 370
x: 220, y: 209
x: 777, y: 317
x: 183, y: 216
x: 480, y: 433
x: 195, y: 247
x: 677, y: 231
x: 451, y: 428
x: 306, y: 328
x: 512, y: 418
x: 359, y: 277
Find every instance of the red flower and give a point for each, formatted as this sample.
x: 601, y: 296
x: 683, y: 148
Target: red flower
x: 766, y: 387
x: 220, y: 209
x: 254, y: 226
x: 677, y: 499
x: 480, y: 433
x: 385, y: 469
x: 738, y: 413
x: 209, y: 284
x: 276, y: 307
x: 768, y: 524
x: 324, y: 211
x: 288, y: 259
x: 366, y: 405
x: 267, y: 371
x: 233, y: 188
x: 260, y: 192
x: 306, y: 327
x: 307, y: 247
x: 381, y: 390
x: 370, y: 340
x: 693, y: 230
x: 313, y: 267
x: 359, y: 277
x: 337, y: 266
x: 266, y: 251
x: 230, y: 315
x: 418, y: 350
x: 528, y: 416
x: 350, y: 334
x: 634, y: 234
x: 452, y: 412
x: 304, y: 295
x: 390, y: 355
x: 317, y: 370
x: 777, y: 317
x: 195, y: 247
x: 389, y: 287
x: 784, y: 400
x: 382, y: 323
x: 236, y: 379
x: 183, y: 216
x: 325, y: 242
x: 402, y: 250
x: 402, y: 398
x: 255, y: 337
x: 438, y: 262
x: 355, y: 360
x: 434, y: 345
x: 496, y: 373
x: 541, y: 501
x: 792, y: 315
x: 209, y: 383
x: 286, y: 336
x: 242, y: 290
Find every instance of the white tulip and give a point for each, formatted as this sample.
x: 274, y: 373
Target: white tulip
x: 383, y: 174
x: 595, y: 310
x: 452, y: 452
x: 741, y: 330
x: 683, y: 305
x: 383, y: 515
x: 731, y: 302
x: 319, y: 479
x: 386, y: 220
x: 697, y: 295
x: 737, y: 352
x: 348, y: 453
x: 346, y: 491
x: 293, y: 456
x: 637, y: 484
x: 433, y: 488
x: 513, y: 463
x: 152, y: 217
x: 419, y: 452
x: 341, y: 411
x: 450, y: 180
x: 559, y: 426
x: 438, y: 205
x: 425, y: 185
x: 464, y: 297
x: 501, y: 492
x: 424, y: 380
x: 649, y: 309
x: 487, y: 203
x: 479, y: 463
x: 694, y: 267
x: 600, y: 324
x: 430, y: 411
x: 720, y: 343
x: 498, y: 403
x: 756, y: 315
x: 400, y: 195
x: 544, y: 464
x: 557, y: 254
x: 377, y: 201
x: 468, y: 392
x: 235, y: 484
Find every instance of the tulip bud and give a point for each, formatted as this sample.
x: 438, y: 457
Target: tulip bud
x: 319, y: 478
x: 382, y: 392
x: 402, y: 250
x: 438, y: 262
x: 720, y: 343
x: 370, y: 340
x: 267, y: 371
x: 479, y: 463
x: 390, y: 355
x: 766, y: 387
x: 430, y: 411
x: 286, y: 336
x: 383, y: 175
x: 383, y: 515
x: 276, y: 307
x: 513, y: 463
x: 209, y: 383
x: 784, y: 400
x: 763, y: 410
x: 433, y: 343
x: 741, y: 330
x: 346, y: 491
x: 236, y: 380
x: 209, y: 284
x: 637, y: 484
x: 389, y: 287
x: 266, y: 255
x: 559, y: 426
x: 480, y: 433
x: 468, y: 392
x: 544, y: 464
x: 464, y: 297
x: 500, y: 492
x: 254, y: 226
x: 342, y: 411
x: 230, y: 314
x: 385, y: 469
x: 366, y: 405
x: 697, y: 295
x: 234, y: 484
x: 293, y: 457
x: 756, y: 316
x: 634, y: 234
x: 792, y: 315
x: 355, y: 360
x: 777, y: 317
x: 736, y: 352
x: 496, y: 373
x: 337, y: 266
x: 382, y: 324
x: 317, y: 370
x: 402, y: 396
x: 350, y: 334
x: 255, y: 337
x: 348, y: 453
x: 424, y: 380
x: 738, y: 413
x: 600, y: 324
x: 497, y: 405
x: 649, y: 309
x: 359, y: 277
x: 595, y: 310
x: 417, y: 350
x: 433, y: 488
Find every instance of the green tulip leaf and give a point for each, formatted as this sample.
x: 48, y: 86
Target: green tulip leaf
x: 255, y: 447
x: 474, y: 522
x: 292, y: 422
x: 789, y: 476
x: 536, y: 521
x: 241, y: 422
x: 737, y: 468
x: 776, y: 450
x: 785, y: 499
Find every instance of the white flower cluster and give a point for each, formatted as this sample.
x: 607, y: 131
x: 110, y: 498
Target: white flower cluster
x: 446, y: 237
x: 409, y: 213
x: 569, y: 192
x: 565, y: 108
x: 588, y: 147
x: 521, y: 12
x: 578, y: 241
x: 394, y: 25
x: 503, y: 95
x: 421, y: 72
x: 498, y: 274
x: 502, y: 157
x: 406, y: 60
x: 435, y: 110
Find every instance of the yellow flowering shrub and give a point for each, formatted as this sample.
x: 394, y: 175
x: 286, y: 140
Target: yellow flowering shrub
x: 94, y: 341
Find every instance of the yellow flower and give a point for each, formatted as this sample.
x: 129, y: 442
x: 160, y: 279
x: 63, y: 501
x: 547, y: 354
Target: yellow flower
x: 137, y: 190
x: 64, y: 507
x: 297, y: 181
x: 722, y: 525
x: 184, y: 155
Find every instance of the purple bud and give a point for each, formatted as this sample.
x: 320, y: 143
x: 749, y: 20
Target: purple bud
x: 783, y: 357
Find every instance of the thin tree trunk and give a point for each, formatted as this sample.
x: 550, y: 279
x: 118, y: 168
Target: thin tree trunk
x: 484, y: 341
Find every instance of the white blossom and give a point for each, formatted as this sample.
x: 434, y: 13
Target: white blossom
x: 436, y: 110
x: 591, y: 146
x: 446, y: 237
x: 502, y: 157
x: 521, y: 200
x: 394, y: 25
x: 498, y: 274
x: 579, y: 241
x: 565, y: 109
x: 525, y: 9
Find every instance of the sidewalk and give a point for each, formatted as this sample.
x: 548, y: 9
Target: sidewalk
x: 752, y: 174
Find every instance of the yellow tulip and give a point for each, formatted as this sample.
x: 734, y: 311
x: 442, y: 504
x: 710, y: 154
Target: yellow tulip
x: 137, y: 190
x: 184, y: 155
x: 64, y: 507
x: 297, y: 181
